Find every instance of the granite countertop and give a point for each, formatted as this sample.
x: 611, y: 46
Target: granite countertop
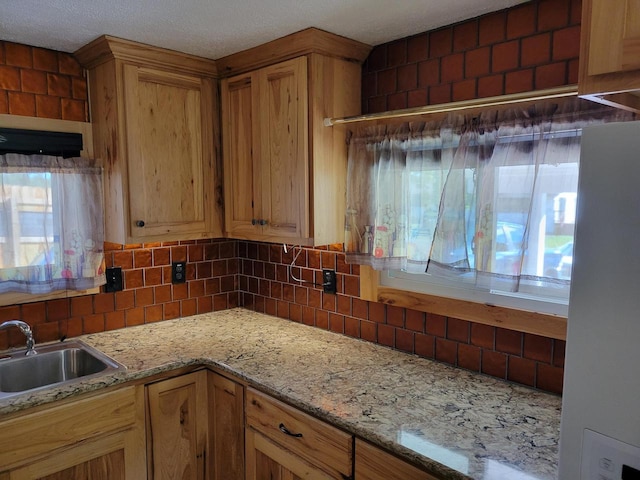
x: 458, y: 424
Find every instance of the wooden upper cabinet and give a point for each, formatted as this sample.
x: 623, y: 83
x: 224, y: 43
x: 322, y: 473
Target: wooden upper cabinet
x: 154, y: 122
x: 267, y: 169
x: 285, y: 172
x: 610, y: 53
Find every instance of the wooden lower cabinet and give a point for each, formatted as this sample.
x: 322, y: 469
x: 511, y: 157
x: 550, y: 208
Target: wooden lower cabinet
x: 195, y: 428
x: 200, y: 426
x: 372, y: 463
x: 284, y: 443
x: 99, y: 438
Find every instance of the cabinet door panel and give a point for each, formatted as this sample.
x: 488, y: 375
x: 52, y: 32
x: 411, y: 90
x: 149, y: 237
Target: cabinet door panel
x: 106, y: 467
x: 226, y: 430
x: 177, y: 416
x: 284, y: 148
x: 114, y: 457
x: 164, y: 124
x: 614, y: 36
x: 240, y: 141
x: 60, y: 426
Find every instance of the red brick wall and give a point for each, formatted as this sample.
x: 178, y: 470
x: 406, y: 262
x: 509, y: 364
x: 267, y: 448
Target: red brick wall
x: 44, y: 83
x: 37, y: 82
x: 528, y: 47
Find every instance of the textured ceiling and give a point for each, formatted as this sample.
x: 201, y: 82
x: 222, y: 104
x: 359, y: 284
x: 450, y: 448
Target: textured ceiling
x: 215, y: 28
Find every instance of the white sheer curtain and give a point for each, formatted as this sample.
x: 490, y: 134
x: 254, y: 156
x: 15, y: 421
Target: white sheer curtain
x: 468, y: 195
x: 51, y: 224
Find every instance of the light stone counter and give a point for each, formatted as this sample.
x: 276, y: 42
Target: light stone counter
x: 459, y: 424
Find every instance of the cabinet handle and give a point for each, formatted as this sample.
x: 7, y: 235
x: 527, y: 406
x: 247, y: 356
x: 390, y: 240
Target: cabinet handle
x: 285, y: 430
x: 140, y: 223
x: 263, y: 222
x: 254, y: 221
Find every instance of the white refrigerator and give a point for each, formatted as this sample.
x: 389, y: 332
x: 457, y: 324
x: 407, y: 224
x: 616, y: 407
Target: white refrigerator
x: 600, y: 427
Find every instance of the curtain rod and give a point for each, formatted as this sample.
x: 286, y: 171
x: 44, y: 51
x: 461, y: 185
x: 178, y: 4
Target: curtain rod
x: 479, y: 103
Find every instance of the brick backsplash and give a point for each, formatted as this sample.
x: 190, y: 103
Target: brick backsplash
x: 527, y: 47
x: 148, y: 295
x: 37, y: 82
x: 266, y: 286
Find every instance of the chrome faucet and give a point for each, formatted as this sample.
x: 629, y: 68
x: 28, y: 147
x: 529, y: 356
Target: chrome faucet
x: 24, y: 328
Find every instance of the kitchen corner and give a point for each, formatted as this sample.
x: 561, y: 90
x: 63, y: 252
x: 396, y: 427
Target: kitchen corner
x: 455, y: 423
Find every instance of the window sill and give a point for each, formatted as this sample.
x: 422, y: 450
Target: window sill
x: 546, y: 325
x: 18, y: 298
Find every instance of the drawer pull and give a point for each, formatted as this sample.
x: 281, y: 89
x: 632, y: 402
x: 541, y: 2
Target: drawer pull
x: 285, y: 430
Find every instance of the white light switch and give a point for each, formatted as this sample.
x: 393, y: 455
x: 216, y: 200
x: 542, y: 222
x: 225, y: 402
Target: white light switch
x: 603, y: 457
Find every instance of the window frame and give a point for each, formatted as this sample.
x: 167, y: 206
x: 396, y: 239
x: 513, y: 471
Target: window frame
x: 53, y: 125
x: 543, y: 324
x: 371, y: 288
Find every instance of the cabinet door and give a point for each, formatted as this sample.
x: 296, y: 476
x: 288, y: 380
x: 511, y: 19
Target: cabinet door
x: 177, y: 434
x: 614, y: 42
x: 103, y: 434
x: 241, y: 142
x: 169, y: 135
x: 104, y: 459
x: 226, y: 428
x: 267, y: 460
x: 373, y: 463
x: 284, y: 152
x: 610, y: 53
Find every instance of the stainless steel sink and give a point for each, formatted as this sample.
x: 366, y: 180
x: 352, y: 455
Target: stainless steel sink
x: 54, y: 364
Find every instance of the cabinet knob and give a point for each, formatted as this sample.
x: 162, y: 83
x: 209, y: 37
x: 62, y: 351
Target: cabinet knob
x: 140, y: 223
x: 263, y: 222
x: 254, y: 221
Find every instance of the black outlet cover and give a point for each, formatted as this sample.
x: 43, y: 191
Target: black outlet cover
x: 114, y: 279
x: 329, y: 281
x: 178, y: 272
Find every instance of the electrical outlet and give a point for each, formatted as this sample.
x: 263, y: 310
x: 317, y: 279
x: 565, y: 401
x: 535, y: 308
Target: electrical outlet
x: 178, y: 272
x: 114, y: 279
x: 329, y: 281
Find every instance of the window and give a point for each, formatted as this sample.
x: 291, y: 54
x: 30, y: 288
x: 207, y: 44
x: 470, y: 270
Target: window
x: 51, y: 224
x: 477, y: 208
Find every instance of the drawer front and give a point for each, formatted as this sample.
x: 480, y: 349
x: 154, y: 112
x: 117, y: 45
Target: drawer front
x: 315, y: 441
x: 27, y: 436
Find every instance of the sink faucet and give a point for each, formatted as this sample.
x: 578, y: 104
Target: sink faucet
x: 24, y: 328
